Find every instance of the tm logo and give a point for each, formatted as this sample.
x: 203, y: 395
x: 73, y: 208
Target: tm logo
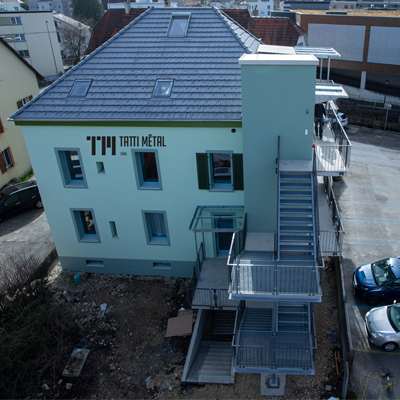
x: 107, y: 142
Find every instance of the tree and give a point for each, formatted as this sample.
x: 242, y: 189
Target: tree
x: 74, y: 41
x: 89, y: 10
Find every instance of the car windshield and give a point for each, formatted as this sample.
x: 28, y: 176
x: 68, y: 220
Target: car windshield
x: 382, y: 272
x: 394, y: 317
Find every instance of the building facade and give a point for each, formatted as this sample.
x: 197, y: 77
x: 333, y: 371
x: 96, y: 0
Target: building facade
x: 33, y: 35
x: 18, y: 85
x: 59, y: 6
x: 177, y: 158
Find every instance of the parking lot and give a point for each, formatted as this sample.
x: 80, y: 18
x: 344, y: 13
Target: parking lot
x: 369, y: 200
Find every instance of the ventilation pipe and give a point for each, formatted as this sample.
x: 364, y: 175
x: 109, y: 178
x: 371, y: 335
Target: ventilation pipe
x: 127, y: 7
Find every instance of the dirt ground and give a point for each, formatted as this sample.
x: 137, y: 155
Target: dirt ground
x: 130, y: 356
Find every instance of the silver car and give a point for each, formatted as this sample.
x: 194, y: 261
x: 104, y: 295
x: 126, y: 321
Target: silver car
x: 383, y: 326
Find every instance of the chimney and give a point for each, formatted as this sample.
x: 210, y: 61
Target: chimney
x: 127, y: 4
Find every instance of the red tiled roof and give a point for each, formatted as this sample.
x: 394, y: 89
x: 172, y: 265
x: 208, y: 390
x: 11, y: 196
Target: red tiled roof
x: 272, y: 31
x: 111, y: 22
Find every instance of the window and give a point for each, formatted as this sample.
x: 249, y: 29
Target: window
x: 80, y: 89
x: 147, y: 169
x: 162, y: 265
x: 19, y: 37
x: 220, y: 171
x: 85, y: 226
x: 95, y: 263
x: 100, y: 167
x: 113, y: 227
x: 72, y: 173
x: 155, y: 223
x: 163, y: 88
x: 6, y: 160
x: 1, y: 127
x: 15, y: 20
x: 25, y: 100
x: 178, y: 25
x: 58, y: 37
x: 23, y: 53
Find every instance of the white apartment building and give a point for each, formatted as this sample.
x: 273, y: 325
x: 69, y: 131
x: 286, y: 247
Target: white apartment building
x: 33, y: 35
x: 261, y: 8
x: 60, y: 6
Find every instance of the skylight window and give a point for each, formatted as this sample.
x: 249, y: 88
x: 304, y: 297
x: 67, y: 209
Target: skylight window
x: 163, y: 88
x: 80, y: 88
x: 178, y: 25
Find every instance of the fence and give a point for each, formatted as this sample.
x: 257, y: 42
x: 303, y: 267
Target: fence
x: 213, y: 298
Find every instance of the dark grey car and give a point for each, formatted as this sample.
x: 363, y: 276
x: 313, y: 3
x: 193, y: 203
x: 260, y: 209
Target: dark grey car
x: 17, y: 198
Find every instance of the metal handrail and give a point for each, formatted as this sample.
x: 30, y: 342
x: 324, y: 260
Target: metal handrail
x: 278, y: 180
x: 316, y: 208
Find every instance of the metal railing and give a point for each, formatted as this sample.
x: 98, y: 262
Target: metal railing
x: 273, y: 357
x: 334, y: 158
x: 196, y: 271
x: 274, y: 280
x: 318, y: 254
x: 278, y: 214
x: 213, y: 298
x: 238, y: 243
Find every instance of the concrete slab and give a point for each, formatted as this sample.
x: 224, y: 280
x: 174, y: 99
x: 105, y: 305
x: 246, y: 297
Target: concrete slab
x: 266, y: 391
x: 215, y: 274
x: 295, y: 165
x: 256, y: 241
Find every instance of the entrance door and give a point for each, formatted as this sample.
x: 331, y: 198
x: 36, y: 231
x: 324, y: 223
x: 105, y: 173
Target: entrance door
x: 224, y: 238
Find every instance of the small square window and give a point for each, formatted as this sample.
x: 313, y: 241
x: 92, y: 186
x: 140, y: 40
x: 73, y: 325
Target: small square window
x: 71, y: 168
x: 23, y: 53
x: 147, y: 169
x: 15, y: 20
x: 100, y: 167
x: 155, y: 223
x: 20, y: 37
x: 85, y: 226
x: 113, y: 227
x: 163, y: 88
x: 80, y: 89
x: 178, y: 25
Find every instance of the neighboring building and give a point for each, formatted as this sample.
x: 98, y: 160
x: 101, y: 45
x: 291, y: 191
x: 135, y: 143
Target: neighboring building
x: 73, y: 37
x: 343, y: 5
x: 33, y: 35
x: 18, y: 85
x: 368, y: 42
x: 59, y: 6
x: 260, y: 8
x: 180, y: 123
x: 306, y: 5
x: 274, y: 31
x: 10, y: 5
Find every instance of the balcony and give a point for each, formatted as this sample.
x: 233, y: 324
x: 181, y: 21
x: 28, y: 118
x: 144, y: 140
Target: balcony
x: 333, y: 151
x: 279, y: 340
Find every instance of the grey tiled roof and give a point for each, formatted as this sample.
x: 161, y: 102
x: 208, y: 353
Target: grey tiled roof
x: 204, y: 67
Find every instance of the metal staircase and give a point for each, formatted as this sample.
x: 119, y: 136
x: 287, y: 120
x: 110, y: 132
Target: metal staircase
x: 257, y: 320
x: 296, y: 224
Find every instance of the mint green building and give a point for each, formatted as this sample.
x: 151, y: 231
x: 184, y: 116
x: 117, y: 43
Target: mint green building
x: 185, y: 147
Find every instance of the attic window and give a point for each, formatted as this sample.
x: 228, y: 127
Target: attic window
x: 80, y: 89
x: 163, y: 88
x: 178, y: 25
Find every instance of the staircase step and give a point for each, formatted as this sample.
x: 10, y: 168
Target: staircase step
x: 297, y: 238
x: 297, y: 185
x: 292, y: 193
x: 221, y: 379
x: 297, y: 220
x: 308, y: 229
x: 296, y: 257
x: 305, y: 249
x: 293, y: 327
x: 295, y: 176
x: 212, y: 362
x: 292, y: 202
x: 296, y: 211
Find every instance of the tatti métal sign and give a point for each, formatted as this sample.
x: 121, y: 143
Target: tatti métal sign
x: 110, y: 142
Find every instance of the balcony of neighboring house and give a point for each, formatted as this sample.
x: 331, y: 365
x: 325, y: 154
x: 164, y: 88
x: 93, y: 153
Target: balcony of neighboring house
x: 278, y: 338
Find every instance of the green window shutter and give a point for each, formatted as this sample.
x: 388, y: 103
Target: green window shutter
x: 202, y: 171
x: 237, y: 163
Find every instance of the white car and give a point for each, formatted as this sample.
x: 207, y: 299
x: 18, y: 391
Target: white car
x: 342, y: 118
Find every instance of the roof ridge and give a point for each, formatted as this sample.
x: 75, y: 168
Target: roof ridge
x: 224, y: 17
x: 91, y: 55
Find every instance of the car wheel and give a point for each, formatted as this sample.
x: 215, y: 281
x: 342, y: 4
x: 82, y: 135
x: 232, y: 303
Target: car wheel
x: 39, y: 204
x: 390, y: 346
x: 374, y: 300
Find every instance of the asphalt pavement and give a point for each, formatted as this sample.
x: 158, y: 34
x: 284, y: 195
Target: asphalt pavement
x: 369, y: 200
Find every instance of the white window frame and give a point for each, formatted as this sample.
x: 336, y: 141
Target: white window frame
x: 150, y: 237
x: 7, y: 158
x: 175, y: 16
x: 15, y: 20
x: 227, y: 187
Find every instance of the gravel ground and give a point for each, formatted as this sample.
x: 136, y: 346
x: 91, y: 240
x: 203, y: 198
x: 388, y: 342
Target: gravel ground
x: 130, y: 356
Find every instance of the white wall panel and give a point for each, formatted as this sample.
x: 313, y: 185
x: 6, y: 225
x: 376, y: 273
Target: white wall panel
x: 348, y: 40
x: 384, y: 45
